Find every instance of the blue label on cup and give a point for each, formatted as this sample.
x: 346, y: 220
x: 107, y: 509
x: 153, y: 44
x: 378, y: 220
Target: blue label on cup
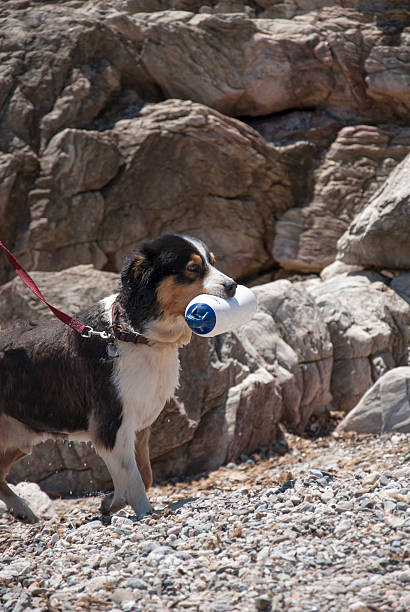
x: 201, y: 318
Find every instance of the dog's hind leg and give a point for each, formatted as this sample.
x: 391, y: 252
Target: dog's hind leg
x: 128, y: 484
x: 15, y: 504
x: 142, y: 456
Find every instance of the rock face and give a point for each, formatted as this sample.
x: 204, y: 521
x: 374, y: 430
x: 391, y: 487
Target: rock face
x: 178, y: 167
x: 264, y: 9
x: 63, y: 469
x: 368, y: 325
x: 244, y: 66
x: 385, y: 407
x: 380, y: 234
x: 69, y: 290
x: 354, y: 168
x: 275, y: 368
x: 74, y: 144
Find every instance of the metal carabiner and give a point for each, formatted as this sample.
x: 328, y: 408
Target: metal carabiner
x: 89, y: 331
x: 86, y: 333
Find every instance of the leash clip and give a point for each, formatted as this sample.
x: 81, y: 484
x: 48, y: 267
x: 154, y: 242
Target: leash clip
x: 89, y: 331
x: 111, y: 349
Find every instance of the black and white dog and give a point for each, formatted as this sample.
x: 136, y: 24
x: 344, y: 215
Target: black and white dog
x: 57, y: 384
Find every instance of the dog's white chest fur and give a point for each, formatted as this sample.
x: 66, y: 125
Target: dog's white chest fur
x: 145, y: 377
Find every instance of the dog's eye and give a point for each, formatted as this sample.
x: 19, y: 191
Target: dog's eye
x: 196, y: 268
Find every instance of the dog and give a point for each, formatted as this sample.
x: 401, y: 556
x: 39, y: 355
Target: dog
x: 58, y: 384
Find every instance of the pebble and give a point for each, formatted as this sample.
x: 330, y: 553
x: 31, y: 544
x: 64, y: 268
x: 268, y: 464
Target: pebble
x: 263, y: 602
x: 344, y: 506
x: 342, y: 528
x: 120, y: 595
x: 334, y: 539
x: 327, y: 495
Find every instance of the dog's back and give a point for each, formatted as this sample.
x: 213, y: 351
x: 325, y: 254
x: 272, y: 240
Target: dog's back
x: 51, y: 379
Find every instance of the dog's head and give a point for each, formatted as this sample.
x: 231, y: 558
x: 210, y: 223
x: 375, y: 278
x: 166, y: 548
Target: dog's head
x: 163, y: 276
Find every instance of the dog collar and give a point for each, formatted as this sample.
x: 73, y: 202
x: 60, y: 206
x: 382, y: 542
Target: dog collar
x: 128, y: 336
x: 125, y: 335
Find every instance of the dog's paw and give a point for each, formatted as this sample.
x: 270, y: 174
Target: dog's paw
x: 142, y: 508
x: 111, y: 504
x: 22, y: 512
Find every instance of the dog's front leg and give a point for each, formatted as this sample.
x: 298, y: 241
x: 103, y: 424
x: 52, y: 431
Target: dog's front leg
x: 128, y: 484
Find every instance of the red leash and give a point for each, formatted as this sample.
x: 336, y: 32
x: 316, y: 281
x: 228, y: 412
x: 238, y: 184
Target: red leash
x: 26, y: 278
x: 115, y: 332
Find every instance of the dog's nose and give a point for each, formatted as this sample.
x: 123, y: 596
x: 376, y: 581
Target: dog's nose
x: 230, y: 288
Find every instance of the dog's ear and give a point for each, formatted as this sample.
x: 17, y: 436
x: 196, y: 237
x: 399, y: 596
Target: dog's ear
x: 138, y: 296
x: 135, y: 268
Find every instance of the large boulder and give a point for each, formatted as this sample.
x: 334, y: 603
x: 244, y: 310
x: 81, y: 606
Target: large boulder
x: 368, y: 325
x: 235, y: 64
x: 178, y: 167
x: 384, y: 408
x: 70, y: 290
x: 235, y: 391
x: 380, y: 234
x: 62, y: 67
x: 237, y: 388
x: 18, y: 171
x: 356, y: 165
x: 291, y: 337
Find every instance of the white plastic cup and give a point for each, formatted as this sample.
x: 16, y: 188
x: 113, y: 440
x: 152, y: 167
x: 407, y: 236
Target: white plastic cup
x: 209, y: 315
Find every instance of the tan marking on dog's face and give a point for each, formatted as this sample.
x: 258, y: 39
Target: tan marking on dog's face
x: 195, y: 260
x: 194, y: 266
x: 212, y: 259
x: 174, y: 297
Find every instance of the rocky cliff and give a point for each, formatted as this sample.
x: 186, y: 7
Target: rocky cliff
x: 278, y: 132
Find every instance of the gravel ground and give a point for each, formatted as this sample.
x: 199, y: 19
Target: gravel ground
x: 323, y: 527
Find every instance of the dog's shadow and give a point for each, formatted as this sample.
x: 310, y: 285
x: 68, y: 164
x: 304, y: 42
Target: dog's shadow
x: 180, y: 503
x: 170, y: 507
x: 106, y: 519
